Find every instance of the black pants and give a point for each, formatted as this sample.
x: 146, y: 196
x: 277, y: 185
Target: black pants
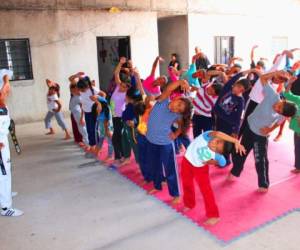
x: 249, y: 110
x: 201, y: 124
x: 297, y: 150
x: 259, y: 144
x: 117, y: 137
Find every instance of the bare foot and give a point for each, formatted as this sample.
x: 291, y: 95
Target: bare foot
x: 175, y: 200
x: 51, y: 132
x: 67, y: 137
x: 186, y: 209
x: 262, y: 190
x: 278, y: 137
x: 125, y: 162
x: 212, y: 221
x: 230, y: 177
x: 153, y: 191
x: 295, y: 171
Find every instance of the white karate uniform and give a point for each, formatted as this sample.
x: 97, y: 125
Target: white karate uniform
x: 5, y: 164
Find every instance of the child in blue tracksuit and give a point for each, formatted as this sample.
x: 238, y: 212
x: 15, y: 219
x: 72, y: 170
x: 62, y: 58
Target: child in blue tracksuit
x: 104, y: 127
x: 230, y: 105
x: 161, y: 153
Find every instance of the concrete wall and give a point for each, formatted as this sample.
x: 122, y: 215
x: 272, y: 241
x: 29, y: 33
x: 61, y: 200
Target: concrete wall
x: 64, y: 42
x: 173, y: 38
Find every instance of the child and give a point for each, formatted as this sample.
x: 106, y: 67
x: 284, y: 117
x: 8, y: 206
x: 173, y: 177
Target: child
x: 117, y: 104
x: 87, y: 95
x: 295, y: 122
x: 206, y: 149
x: 160, y: 138
x: 5, y: 166
x: 265, y: 118
x: 77, y: 114
x: 104, y: 127
x: 203, y: 103
x: 54, y: 109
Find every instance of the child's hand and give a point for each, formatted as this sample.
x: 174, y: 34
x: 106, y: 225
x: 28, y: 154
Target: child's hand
x: 240, y: 149
x: 1, y: 145
x: 94, y: 98
x: 82, y: 122
x: 55, y: 110
x: 130, y: 124
x: 185, y: 86
x: 173, y: 136
x: 211, y: 162
x: 265, y: 130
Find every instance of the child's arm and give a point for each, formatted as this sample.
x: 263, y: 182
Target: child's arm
x: 82, y: 122
x: 4, y: 92
x: 59, y: 106
x: 288, y: 94
x: 268, y: 130
x: 233, y: 59
x: 139, y: 82
x: 171, y: 87
x: 267, y: 77
x: 154, y: 65
x: 118, y: 69
x: 72, y: 78
x: 174, y: 135
x: 252, y: 56
x: 238, y: 147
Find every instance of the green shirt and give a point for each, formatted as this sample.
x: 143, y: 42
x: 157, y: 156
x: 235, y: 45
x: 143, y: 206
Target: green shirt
x: 295, y: 121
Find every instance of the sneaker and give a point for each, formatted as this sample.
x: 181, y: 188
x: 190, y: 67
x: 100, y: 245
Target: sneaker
x: 14, y: 194
x: 12, y: 212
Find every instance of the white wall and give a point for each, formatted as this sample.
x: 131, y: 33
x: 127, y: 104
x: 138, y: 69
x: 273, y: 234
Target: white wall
x: 173, y: 38
x: 247, y: 30
x: 64, y: 42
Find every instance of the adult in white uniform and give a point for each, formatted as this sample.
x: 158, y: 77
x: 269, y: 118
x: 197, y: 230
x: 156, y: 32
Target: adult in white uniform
x: 5, y: 163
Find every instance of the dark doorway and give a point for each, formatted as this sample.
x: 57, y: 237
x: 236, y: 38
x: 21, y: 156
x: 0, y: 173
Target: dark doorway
x: 109, y: 50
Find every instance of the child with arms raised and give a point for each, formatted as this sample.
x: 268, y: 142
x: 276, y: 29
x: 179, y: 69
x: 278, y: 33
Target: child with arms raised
x: 160, y: 137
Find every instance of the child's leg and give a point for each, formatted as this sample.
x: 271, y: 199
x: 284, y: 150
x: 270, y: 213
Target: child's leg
x: 117, y: 137
x: 133, y: 144
x: 237, y: 159
x: 75, y: 129
x: 187, y: 178
x: 155, y: 164
x: 167, y: 154
x: 260, y: 149
x: 61, y: 122
x: 110, y: 147
x: 196, y: 125
x: 249, y: 110
x: 126, y: 142
x: 142, y: 148
x: 202, y: 178
x: 297, y: 152
x: 90, y: 126
x: 47, y: 121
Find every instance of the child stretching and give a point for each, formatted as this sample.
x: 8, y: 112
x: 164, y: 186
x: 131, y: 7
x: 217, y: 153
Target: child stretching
x: 204, y: 150
x: 104, y: 126
x: 77, y: 114
x: 265, y: 118
x: 160, y: 138
x: 295, y: 122
x: 54, y: 109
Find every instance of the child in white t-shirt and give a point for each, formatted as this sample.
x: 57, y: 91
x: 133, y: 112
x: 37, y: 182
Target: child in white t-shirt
x: 206, y: 149
x: 54, y: 109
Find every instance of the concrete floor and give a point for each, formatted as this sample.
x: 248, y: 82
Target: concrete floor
x: 70, y: 204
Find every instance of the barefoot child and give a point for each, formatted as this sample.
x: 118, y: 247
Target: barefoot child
x: 161, y: 147
x: 5, y: 165
x: 104, y: 127
x: 206, y: 149
x: 265, y: 118
x: 295, y: 122
x: 54, y: 109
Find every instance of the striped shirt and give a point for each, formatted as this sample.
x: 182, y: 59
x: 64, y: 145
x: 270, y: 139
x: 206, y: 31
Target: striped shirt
x: 160, y: 122
x: 204, y: 103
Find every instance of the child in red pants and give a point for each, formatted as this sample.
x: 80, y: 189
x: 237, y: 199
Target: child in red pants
x: 206, y: 149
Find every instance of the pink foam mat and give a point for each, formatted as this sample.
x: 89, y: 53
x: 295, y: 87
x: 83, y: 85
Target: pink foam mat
x: 242, y: 209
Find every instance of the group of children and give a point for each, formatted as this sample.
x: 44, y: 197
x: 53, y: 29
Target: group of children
x: 230, y: 111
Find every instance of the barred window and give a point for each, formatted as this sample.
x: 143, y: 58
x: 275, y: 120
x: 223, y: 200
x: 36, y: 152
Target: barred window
x: 15, y: 55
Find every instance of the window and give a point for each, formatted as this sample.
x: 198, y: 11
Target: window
x: 15, y: 55
x: 224, y: 48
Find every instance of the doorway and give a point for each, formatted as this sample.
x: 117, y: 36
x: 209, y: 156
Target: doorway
x: 109, y: 50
